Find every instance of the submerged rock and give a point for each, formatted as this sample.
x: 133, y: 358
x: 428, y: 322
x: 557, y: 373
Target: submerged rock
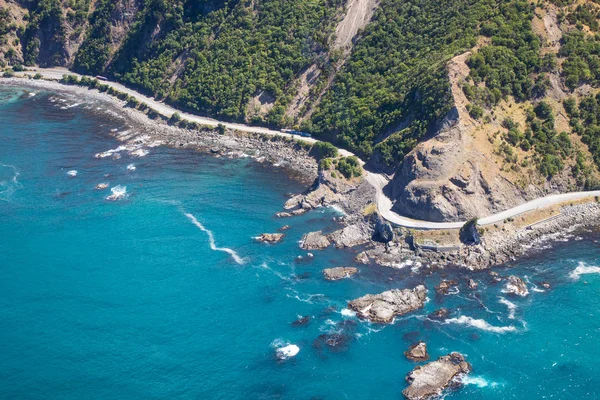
x: 516, y: 286
x: 314, y: 241
x: 270, y: 237
x: 383, y: 307
x: 333, y: 274
x: 417, y: 352
x: 302, y: 321
x: 445, y: 286
x: 431, y: 379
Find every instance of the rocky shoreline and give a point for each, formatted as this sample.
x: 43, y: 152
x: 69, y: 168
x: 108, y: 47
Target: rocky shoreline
x: 384, y: 246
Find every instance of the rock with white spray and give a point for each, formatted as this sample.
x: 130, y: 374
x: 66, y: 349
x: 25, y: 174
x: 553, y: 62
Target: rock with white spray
x: 516, y: 286
x: 285, y: 352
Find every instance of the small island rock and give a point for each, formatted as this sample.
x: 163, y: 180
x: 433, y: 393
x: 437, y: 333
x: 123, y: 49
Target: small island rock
x: 270, y: 237
x: 334, y: 274
x: 431, y: 379
x: 417, y: 352
x: 284, y: 228
x: 515, y: 285
x: 383, y: 307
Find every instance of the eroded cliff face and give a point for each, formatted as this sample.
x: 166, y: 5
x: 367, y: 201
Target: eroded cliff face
x: 447, y: 178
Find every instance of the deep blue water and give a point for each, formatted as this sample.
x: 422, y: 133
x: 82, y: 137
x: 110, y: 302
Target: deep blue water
x: 127, y: 299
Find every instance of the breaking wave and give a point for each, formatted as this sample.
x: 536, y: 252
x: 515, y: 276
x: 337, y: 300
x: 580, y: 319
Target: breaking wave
x: 117, y: 193
x: 583, y: 269
x: 211, y: 240
x: 480, y: 324
x: 478, y: 381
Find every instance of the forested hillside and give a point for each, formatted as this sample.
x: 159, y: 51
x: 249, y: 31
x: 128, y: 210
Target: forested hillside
x: 243, y: 59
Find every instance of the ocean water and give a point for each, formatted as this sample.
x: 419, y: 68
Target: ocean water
x: 161, y: 292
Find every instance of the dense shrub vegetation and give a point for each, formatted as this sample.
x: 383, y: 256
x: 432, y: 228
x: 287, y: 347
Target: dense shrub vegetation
x: 585, y: 121
x: 214, y: 56
x: 582, y: 64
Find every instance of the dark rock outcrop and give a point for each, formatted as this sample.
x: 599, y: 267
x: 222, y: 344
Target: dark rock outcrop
x: 472, y: 284
x: 383, y: 307
x: 383, y: 230
x: 431, y: 379
x: 440, y: 314
x: 334, y: 274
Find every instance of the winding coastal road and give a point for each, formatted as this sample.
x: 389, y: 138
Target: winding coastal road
x: 378, y: 181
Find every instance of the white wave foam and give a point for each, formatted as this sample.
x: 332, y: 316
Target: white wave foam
x: 113, y: 152
x: 512, y: 307
x: 211, y: 240
x: 72, y: 173
x: 118, y: 192
x: 131, y: 167
x: 139, y: 153
x: 478, y: 381
x: 480, y: 324
x: 346, y: 312
x: 583, y: 269
x: 285, y: 352
x: 308, y: 299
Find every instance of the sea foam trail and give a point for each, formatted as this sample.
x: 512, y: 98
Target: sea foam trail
x: 211, y: 240
x: 7, y: 188
x: 480, y: 324
x: 583, y: 269
x: 512, y: 307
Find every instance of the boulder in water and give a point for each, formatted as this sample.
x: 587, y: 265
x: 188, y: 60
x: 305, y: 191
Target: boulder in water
x: 516, y: 286
x: 284, y: 228
x: 472, y: 284
x: 440, y: 314
x: 334, y: 274
x: 417, y: 352
x: 383, y: 307
x: 270, y: 237
x: 431, y: 379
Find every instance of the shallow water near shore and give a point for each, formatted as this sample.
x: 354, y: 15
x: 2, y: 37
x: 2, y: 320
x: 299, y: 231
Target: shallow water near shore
x: 160, y: 291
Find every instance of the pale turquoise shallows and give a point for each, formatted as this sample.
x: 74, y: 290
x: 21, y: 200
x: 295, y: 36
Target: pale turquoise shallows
x: 129, y: 299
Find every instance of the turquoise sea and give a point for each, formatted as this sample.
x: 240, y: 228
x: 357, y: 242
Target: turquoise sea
x: 163, y: 294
